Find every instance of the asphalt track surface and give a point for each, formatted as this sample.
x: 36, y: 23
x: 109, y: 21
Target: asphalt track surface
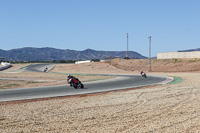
x: 118, y: 83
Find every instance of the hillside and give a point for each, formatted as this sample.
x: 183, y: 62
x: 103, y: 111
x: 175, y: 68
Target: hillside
x: 167, y: 65
x: 49, y: 54
x: 189, y: 50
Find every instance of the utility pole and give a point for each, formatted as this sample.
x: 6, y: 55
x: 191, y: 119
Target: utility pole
x: 127, y: 48
x: 149, y: 53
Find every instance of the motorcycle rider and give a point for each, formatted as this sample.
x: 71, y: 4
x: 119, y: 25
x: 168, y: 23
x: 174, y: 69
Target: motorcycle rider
x: 69, y: 79
x: 142, y: 73
x: 45, y: 70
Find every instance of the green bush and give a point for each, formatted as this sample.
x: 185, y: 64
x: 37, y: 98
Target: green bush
x: 177, y: 60
x: 193, y: 60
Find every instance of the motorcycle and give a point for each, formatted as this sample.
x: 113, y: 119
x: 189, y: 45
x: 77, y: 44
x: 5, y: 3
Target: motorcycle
x: 144, y: 75
x: 75, y: 83
x: 46, y: 69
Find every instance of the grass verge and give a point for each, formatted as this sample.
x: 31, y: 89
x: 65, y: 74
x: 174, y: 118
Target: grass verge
x: 176, y: 80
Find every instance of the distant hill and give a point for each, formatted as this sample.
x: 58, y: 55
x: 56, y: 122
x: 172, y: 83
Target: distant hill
x: 49, y: 54
x: 197, y: 49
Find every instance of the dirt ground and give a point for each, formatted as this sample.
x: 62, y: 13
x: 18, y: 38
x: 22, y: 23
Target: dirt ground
x: 163, y: 108
x: 167, y: 65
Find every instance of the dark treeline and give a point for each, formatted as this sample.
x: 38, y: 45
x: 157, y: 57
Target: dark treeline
x: 54, y: 61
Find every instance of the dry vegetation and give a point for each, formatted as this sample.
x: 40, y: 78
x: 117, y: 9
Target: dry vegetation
x: 165, y: 108
x: 167, y: 65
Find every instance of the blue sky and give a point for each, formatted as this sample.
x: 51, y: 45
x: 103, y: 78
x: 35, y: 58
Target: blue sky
x: 100, y: 24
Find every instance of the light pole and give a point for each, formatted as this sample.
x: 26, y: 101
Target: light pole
x: 127, y: 48
x: 149, y: 53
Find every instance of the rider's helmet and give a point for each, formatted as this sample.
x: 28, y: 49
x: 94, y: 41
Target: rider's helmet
x: 68, y: 75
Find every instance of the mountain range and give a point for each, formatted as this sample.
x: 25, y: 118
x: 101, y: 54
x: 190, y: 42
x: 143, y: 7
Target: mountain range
x: 190, y: 50
x: 49, y: 54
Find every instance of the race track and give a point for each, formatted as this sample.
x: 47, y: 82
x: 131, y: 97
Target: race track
x: 118, y: 83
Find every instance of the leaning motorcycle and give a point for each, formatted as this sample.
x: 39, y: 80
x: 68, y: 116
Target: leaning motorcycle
x: 144, y: 75
x: 75, y: 83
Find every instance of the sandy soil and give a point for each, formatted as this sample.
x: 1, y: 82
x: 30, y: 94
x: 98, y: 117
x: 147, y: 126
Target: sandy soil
x: 92, y: 68
x: 164, y: 108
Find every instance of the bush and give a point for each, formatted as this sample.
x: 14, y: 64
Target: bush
x: 177, y: 60
x: 95, y: 60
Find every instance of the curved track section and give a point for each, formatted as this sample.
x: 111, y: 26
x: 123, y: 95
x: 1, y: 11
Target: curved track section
x: 39, y: 67
x: 121, y: 82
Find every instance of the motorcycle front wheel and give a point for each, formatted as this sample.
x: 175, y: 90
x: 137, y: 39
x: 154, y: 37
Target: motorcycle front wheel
x: 75, y: 86
x: 82, y: 86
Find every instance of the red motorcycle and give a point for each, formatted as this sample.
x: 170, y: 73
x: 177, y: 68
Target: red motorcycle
x: 74, y: 82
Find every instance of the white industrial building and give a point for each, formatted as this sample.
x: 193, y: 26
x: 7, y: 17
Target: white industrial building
x: 177, y: 55
x: 86, y: 61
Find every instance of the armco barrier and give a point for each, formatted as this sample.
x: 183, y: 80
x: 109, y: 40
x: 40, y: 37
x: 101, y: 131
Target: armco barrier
x: 5, y: 67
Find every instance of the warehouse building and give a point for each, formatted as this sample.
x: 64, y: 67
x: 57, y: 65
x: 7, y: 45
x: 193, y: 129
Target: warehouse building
x: 177, y: 55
